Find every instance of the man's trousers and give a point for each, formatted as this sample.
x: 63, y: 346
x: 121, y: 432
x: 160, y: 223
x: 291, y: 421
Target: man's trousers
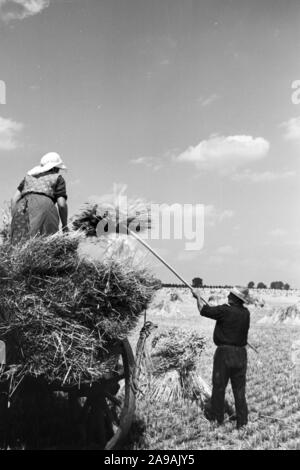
x: 230, y: 362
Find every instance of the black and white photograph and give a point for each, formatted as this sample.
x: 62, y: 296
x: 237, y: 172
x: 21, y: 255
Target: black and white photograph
x: 149, y: 227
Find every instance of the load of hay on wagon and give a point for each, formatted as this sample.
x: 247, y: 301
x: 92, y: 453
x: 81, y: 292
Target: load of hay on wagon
x: 61, y: 313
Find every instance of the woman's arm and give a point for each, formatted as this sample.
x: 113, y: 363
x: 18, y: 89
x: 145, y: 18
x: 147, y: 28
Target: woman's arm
x: 63, y: 212
x: 15, y: 199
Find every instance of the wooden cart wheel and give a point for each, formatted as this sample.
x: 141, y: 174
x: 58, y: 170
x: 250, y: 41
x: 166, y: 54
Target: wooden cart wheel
x: 123, y: 403
x: 4, y: 389
x: 109, y: 408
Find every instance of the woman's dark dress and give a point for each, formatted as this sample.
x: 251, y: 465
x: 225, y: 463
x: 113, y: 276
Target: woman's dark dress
x: 36, y: 213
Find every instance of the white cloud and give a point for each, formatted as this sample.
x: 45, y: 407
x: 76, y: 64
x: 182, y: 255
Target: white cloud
x: 292, y: 243
x: 227, y: 250
x: 291, y: 129
x: 149, y: 162
x: 165, y: 62
x: 8, y: 131
x: 278, y: 232
x: 208, y: 100
x: 225, y: 153
x: 20, y: 9
x: 263, y: 177
x: 214, y: 216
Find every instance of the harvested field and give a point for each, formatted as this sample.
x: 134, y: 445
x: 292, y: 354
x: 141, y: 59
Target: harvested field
x: 273, y: 390
x: 178, y: 422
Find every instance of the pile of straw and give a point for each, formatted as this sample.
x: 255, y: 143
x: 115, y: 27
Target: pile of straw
x: 174, y: 358
x: 64, y: 312
x: 97, y: 218
x: 176, y: 349
x: 289, y: 315
x: 175, y: 297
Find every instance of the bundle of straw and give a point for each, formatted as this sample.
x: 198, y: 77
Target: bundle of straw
x: 174, y: 357
x: 64, y: 312
x: 99, y: 217
x: 176, y: 349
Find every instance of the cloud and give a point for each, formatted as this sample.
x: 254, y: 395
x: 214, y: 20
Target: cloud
x: 165, y: 62
x: 21, y: 9
x: 291, y: 243
x: 8, y: 131
x: 213, y: 216
x: 208, y: 100
x: 227, y: 250
x: 263, y: 177
x: 278, y: 232
x: 225, y: 153
x: 150, y: 162
x: 291, y: 129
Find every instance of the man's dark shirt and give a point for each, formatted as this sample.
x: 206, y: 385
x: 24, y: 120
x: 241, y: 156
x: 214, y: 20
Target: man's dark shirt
x: 232, y: 324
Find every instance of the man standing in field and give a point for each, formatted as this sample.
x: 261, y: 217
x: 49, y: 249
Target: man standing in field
x: 230, y: 359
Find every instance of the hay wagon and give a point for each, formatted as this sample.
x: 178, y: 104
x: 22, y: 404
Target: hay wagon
x: 76, y: 308
x: 106, y: 405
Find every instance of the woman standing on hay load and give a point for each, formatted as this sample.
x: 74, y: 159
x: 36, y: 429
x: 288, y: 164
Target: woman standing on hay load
x: 33, y: 206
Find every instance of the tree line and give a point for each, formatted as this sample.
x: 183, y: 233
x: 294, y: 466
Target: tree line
x: 198, y: 282
x: 273, y: 285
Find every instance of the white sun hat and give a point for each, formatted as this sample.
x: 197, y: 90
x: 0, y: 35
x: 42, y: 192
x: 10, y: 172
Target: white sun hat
x: 241, y: 293
x: 48, y: 161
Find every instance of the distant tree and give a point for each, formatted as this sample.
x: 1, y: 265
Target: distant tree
x: 171, y: 285
x: 197, y: 282
x: 286, y: 286
x: 251, y: 285
x: 158, y: 284
x: 261, y: 285
x: 277, y: 285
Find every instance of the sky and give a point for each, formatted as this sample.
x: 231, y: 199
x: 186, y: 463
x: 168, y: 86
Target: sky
x: 184, y: 101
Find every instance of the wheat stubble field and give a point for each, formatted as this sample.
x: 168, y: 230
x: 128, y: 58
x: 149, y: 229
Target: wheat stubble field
x: 272, y: 388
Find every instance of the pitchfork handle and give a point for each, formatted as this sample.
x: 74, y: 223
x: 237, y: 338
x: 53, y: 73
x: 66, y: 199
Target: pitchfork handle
x: 162, y: 260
